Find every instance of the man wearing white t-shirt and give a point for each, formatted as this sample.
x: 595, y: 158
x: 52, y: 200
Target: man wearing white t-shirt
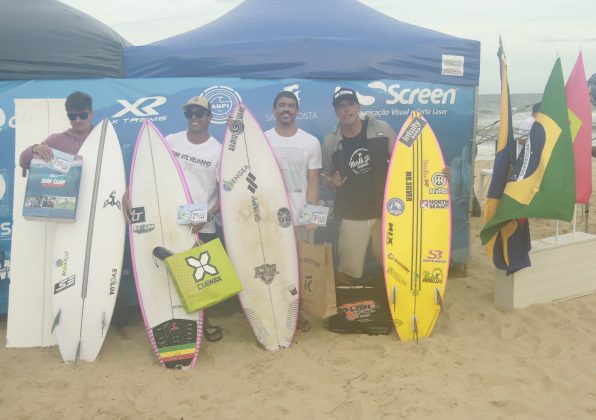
x: 299, y: 157
x: 198, y: 154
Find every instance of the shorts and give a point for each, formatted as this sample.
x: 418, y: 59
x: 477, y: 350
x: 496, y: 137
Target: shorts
x: 354, y: 237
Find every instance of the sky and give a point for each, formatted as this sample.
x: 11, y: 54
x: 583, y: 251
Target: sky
x: 534, y: 32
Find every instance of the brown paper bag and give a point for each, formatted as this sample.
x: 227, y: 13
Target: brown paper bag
x: 317, y: 282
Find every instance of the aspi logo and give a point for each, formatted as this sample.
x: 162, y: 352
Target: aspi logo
x: 222, y: 99
x: 408, y: 96
x: 201, y: 266
x: 141, y: 109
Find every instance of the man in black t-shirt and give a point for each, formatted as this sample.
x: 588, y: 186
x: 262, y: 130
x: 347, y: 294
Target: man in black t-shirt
x: 355, y: 162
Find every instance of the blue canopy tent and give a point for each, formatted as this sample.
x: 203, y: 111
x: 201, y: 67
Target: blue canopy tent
x: 315, y: 46
x: 310, y: 39
x: 249, y: 54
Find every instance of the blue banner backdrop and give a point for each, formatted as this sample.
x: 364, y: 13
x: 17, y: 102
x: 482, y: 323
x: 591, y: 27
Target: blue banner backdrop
x: 127, y: 102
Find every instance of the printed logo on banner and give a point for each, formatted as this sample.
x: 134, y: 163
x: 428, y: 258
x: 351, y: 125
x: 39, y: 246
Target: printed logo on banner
x: 4, y: 121
x: 302, y: 114
x: 295, y: 89
x: 5, y: 230
x: 2, y: 187
x: 406, y: 96
x: 222, y: 99
x: 140, y: 110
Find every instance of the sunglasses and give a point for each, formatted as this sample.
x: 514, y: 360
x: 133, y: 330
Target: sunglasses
x: 199, y: 113
x: 73, y: 115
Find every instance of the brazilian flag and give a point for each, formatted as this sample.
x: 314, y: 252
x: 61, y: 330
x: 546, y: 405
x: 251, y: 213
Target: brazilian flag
x: 509, y: 245
x: 542, y: 179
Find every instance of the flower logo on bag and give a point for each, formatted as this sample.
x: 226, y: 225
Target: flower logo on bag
x: 201, y: 266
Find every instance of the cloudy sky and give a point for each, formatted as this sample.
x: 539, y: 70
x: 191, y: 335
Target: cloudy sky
x: 533, y: 31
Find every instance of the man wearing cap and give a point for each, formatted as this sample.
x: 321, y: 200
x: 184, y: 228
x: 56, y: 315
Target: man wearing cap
x: 198, y: 154
x: 355, y: 162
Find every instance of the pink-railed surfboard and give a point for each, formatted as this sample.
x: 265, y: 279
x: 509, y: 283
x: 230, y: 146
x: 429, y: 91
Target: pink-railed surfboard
x: 258, y: 231
x: 416, y: 230
x: 157, y: 187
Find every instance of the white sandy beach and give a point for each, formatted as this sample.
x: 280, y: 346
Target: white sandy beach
x: 538, y: 362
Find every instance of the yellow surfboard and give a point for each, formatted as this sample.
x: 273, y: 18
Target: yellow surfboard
x: 416, y: 230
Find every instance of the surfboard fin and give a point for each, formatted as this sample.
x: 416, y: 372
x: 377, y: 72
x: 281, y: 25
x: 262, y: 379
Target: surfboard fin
x: 56, y: 320
x: 103, y: 323
x: 438, y: 299
x: 415, y: 327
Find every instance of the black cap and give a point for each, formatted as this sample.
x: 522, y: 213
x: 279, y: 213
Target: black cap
x: 344, y: 93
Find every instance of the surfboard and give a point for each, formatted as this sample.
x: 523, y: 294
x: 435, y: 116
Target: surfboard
x: 157, y: 187
x: 30, y: 318
x: 87, y: 254
x: 258, y: 231
x: 416, y: 230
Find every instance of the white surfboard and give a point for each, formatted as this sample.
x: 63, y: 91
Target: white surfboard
x: 157, y: 188
x: 258, y: 229
x: 29, y: 298
x: 88, y: 253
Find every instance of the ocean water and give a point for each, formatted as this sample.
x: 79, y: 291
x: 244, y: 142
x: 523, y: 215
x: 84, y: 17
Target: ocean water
x: 487, y: 125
